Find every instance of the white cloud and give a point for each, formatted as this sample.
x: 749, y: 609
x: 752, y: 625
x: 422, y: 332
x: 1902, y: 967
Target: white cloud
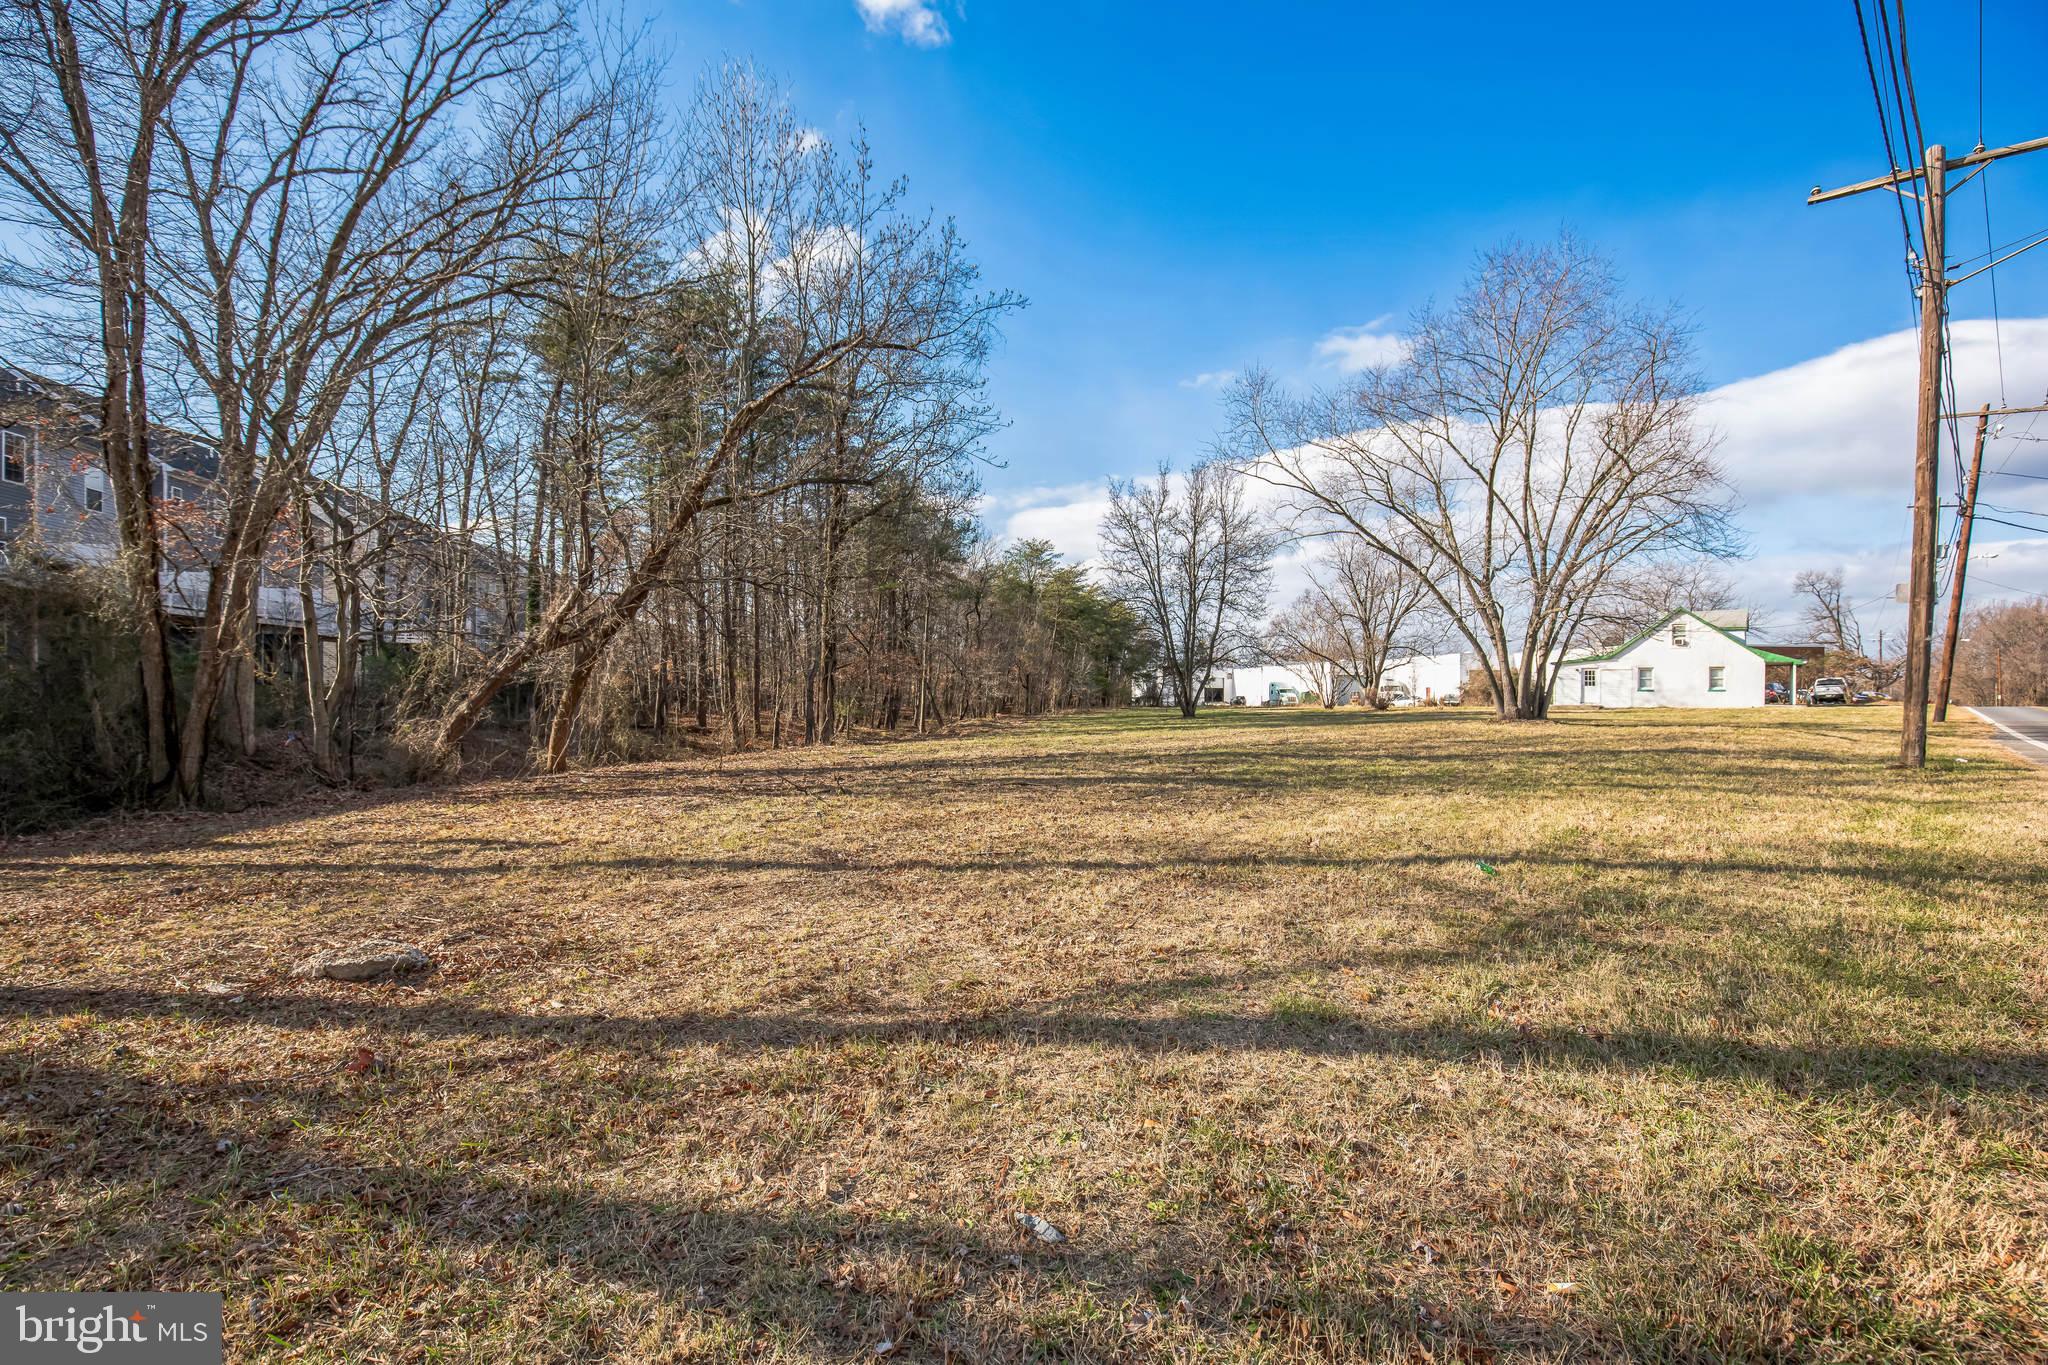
x: 1352, y: 349
x: 915, y: 21
x: 1209, y: 379
x: 1065, y: 514
x: 1842, y: 423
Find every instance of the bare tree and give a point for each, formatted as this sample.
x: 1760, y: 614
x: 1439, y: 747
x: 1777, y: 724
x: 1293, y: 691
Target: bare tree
x: 1830, y: 620
x: 1536, y: 437
x: 1641, y: 595
x: 1352, y: 618
x: 1310, y: 634
x: 2002, y: 657
x: 1828, y: 615
x: 1191, y: 556
x: 86, y: 89
x: 323, y: 218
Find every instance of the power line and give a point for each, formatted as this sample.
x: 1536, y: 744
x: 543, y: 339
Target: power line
x: 1984, y: 191
x: 1901, y: 73
x: 2043, y: 530
x: 1983, y: 255
x: 1891, y: 156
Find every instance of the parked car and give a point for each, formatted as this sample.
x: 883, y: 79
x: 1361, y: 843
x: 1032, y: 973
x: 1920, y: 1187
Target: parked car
x: 1829, y: 692
x: 1866, y: 697
x: 1776, y: 694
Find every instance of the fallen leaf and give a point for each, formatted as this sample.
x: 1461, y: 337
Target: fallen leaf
x: 1561, y: 1287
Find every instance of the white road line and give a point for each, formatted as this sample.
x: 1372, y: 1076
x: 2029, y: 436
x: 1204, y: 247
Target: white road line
x: 2024, y: 739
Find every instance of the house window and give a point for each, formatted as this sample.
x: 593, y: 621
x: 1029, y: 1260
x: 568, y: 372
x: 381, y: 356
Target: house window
x: 13, y: 457
x: 1646, y: 680
x: 1717, y: 679
x: 95, y: 491
x: 1589, y: 680
x: 1678, y: 635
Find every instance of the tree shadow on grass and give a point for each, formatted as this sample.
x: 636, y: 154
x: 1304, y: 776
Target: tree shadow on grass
x: 813, y: 1269
x: 1924, y: 871
x: 1872, y: 1070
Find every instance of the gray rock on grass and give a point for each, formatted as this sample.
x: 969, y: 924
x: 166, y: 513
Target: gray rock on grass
x: 372, y: 960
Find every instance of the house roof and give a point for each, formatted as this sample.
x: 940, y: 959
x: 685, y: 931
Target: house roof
x: 1732, y: 618
x: 1665, y: 620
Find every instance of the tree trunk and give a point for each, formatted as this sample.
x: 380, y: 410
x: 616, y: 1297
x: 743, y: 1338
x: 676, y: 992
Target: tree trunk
x: 319, y: 729
x: 245, y: 682
x: 564, y: 725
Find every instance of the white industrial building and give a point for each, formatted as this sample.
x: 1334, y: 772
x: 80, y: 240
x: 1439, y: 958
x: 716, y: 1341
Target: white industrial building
x: 1422, y: 677
x: 1429, y: 677
x: 1688, y: 658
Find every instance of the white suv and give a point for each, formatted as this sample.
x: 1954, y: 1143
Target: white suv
x: 1828, y: 692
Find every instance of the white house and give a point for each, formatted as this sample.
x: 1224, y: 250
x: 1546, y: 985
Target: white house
x: 1688, y: 658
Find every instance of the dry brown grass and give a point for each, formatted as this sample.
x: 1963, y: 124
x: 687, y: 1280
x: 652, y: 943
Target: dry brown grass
x: 759, y: 1060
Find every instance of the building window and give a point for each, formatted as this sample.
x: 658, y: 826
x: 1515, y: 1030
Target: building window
x: 1679, y: 639
x: 1589, y: 679
x: 1646, y: 680
x: 95, y: 491
x: 1717, y: 679
x: 13, y: 457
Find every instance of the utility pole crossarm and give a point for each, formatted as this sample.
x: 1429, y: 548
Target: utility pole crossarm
x: 1996, y: 412
x: 1885, y: 182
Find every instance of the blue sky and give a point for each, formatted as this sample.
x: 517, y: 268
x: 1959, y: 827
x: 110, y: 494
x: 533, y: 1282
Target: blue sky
x: 1181, y: 190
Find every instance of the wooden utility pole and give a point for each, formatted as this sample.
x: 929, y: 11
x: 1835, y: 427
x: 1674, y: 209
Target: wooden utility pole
x: 1926, y: 458
x: 1934, y: 286
x: 1968, y: 513
x: 1967, y: 510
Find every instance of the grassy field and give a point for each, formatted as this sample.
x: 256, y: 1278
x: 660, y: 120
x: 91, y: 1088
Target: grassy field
x: 1318, y: 1037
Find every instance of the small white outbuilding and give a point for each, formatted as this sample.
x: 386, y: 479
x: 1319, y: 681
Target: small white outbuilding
x: 1688, y: 658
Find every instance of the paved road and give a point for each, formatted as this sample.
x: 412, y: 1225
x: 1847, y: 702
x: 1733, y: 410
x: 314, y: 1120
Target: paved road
x: 2022, y: 729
